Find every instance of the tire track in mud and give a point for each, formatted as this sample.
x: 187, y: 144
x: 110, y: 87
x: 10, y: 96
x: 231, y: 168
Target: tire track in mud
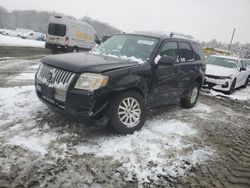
x: 231, y: 139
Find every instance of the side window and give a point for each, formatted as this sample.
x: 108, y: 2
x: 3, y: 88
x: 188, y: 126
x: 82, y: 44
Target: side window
x: 198, y: 53
x: 185, y: 52
x: 169, y: 49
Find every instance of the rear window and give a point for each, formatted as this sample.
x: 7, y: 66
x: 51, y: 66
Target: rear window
x: 57, y: 29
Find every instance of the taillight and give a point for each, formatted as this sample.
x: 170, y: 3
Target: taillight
x: 66, y: 41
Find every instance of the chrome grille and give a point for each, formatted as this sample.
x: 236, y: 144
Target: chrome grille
x: 56, y: 78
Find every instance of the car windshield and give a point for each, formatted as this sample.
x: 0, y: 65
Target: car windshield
x: 221, y: 61
x: 247, y: 62
x: 139, y: 47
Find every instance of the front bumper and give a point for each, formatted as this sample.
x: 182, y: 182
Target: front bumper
x: 217, y: 84
x: 77, y: 104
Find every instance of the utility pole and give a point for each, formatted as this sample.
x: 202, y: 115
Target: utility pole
x: 231, y: 40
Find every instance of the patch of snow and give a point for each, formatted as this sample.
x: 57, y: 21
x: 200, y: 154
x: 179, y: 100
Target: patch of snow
x: 34, y: 66
x: 159, y: 149
x: 25, y: 76
x: 18, y: 103
x: 16, y: 41
x: 241, y: 94
x: 36, y: 143
x: 140, y: 61
x: 201, y: 108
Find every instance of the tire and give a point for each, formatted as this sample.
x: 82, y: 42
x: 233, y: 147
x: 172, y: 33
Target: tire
x: 122, y: 119
x: 193, y: 93
x: 232, y: 87
x: 246, y: 83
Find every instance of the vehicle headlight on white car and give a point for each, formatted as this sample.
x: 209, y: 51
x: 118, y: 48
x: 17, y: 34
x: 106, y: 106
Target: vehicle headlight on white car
x: 91, y: 81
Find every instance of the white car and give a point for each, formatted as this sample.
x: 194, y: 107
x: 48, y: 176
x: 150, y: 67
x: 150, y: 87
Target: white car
x: 225, y: 73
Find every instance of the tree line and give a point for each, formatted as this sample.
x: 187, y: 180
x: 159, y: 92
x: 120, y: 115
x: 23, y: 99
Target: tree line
x: 38, y: 21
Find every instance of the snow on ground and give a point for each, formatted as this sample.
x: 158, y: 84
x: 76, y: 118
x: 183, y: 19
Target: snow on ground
x: 241, y: 94
x: 159, y: 149
x: 19, y: 103
x: 201, y: 108
x: 25, y: 76
x: 36, y: 143
x: 16, y: 41
x: 162, y: 147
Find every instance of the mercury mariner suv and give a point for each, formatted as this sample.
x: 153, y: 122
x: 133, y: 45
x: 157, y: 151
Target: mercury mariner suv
x: 122, y: 78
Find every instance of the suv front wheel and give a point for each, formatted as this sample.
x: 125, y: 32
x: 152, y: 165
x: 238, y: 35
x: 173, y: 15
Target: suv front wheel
x: 127, y: 112
x: 193, y: 93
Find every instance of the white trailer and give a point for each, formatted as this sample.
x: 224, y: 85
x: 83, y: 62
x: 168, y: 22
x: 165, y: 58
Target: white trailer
x: 69, y: 35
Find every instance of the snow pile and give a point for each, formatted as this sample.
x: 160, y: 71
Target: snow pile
x: 37, y: 143
x: 241, y: 94
x: 16, y: 41
x: 19, y: 103
x: 25, y: 76
x: 140, y: 61
x: 157, y: 150
x: 201, y: 108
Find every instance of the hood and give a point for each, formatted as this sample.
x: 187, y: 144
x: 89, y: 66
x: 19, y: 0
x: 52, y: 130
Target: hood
x: 87, y: 62
x: 216, y: 70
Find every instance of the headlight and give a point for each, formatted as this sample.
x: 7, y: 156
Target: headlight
x: 91, y: 81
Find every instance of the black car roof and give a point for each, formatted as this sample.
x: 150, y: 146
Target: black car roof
x: 161, y: 36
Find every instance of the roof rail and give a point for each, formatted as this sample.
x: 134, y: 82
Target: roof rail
x: 181, y: 35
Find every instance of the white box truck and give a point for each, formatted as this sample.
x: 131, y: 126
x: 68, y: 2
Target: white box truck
x: 68, y: 35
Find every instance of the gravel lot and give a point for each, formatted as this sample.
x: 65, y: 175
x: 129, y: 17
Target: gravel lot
x: 207, y: 146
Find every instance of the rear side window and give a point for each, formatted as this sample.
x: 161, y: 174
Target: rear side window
x: 185, y: 52
x: 57, y: 29
x: 169, y: 49
x: 198, y: 53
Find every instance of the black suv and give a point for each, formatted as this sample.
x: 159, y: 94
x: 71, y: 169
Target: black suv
x: 122, y: 78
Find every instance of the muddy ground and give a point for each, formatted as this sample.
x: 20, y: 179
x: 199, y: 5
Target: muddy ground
x: 207, y: 146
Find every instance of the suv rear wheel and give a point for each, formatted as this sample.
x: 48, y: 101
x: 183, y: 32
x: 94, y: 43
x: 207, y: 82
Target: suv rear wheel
x: 127, y: 112
x: 192, y: 97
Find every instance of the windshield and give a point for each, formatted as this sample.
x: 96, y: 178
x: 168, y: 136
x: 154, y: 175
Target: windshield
x: 220, y: 61
x: 247, y: 62
x: 134, y: 46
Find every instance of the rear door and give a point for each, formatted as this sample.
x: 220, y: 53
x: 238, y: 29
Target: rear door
x: 188, y: 68
x: 56, y: 33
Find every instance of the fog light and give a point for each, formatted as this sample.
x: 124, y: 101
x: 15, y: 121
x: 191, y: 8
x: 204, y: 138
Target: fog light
x: 225, y: 85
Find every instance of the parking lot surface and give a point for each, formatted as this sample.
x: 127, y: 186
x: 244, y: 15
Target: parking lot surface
x: 207, y: 146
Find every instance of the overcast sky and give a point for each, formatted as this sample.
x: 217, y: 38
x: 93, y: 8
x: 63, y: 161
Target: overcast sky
x: 204, y: 19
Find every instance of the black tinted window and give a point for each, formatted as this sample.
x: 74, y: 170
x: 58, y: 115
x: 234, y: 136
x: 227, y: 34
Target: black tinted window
x: 169, y: 49
x: 198, y: 53
x: 57, y: 30
x: 185, y: 52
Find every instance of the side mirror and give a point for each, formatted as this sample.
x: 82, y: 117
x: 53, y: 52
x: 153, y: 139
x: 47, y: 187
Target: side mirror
x: 166, y: 60
x: 242, y: 69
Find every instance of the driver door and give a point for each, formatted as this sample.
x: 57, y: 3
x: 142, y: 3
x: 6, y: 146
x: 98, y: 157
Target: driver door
x: 165, y: 77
